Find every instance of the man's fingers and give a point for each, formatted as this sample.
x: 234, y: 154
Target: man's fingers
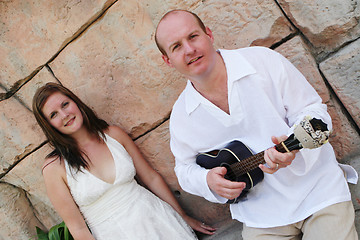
x: 231, y: 190
x: 277, y: 140
x: 273, y: 156
x: 267, y: 169
x: 222, y: 186
x: 220, y: 170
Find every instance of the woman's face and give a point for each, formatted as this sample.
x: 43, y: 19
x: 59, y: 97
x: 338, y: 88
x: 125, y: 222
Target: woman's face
x: 63, y: 113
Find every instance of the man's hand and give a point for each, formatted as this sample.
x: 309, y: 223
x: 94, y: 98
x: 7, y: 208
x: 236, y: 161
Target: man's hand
x: 223, y: 187
x: 276, y: 160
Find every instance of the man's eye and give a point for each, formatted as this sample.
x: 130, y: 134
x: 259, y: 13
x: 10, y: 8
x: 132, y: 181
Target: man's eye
x: 193, y: 36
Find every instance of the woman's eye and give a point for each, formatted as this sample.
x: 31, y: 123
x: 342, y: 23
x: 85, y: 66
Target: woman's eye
x: 175, y: 47
x: 52, y: 115
x: 65, y: 104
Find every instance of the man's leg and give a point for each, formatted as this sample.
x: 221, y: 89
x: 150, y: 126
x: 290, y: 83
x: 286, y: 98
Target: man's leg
x: 289, y: 232
x: 336, y: 222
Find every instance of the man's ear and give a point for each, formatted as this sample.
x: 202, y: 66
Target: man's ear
x: 167, y: 60
x: 210, y: 34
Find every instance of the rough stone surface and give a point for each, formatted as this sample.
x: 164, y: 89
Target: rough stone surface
x: 229, y: 230
x: 344, y: 137
x: 17, y: 218
x: 27, y: 176
x: 19, y: 134
x: 326, y: 23
x: 33, y: 31
x: 105, y: 52
x: 258, y: 22
x: 342, y: 70
x: 25, y: 95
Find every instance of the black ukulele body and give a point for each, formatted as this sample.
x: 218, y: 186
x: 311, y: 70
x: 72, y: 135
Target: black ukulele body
x: 233, y: 152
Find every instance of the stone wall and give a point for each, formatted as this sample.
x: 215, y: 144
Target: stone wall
x: 105, y: 52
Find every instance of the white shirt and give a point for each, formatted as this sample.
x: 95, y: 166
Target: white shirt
x: 267, y: 95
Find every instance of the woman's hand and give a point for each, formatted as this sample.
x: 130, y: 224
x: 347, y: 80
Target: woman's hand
x: 199, y: 226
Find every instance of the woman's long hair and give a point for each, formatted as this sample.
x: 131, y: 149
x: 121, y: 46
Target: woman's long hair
x: 65, y: 147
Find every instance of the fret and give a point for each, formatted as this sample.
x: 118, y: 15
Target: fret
x: 250, y: 163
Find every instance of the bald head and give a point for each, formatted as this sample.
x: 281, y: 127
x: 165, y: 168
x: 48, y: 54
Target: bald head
x: 173, y: 13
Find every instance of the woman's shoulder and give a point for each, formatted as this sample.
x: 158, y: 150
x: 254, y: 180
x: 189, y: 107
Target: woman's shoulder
x: 117, y: 133
x: 53, y: 166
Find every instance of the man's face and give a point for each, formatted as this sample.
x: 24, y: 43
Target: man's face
x: 189, y: 49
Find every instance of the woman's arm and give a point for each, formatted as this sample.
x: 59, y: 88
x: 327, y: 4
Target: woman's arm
x: 59, y: 194
x: 153, y: 180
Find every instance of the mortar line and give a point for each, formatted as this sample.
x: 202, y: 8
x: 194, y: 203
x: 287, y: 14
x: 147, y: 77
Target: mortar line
x: 18, y: 84
x: 153, y: 128
x: 18, y: 161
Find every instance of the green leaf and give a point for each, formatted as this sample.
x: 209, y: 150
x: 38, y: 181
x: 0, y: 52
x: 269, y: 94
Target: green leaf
x: 67, y: 235
x: 57, y: 232
x: 41, y: 235
x: 39, y: 230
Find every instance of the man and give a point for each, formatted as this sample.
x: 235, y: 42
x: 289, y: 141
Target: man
x: 251, y: 95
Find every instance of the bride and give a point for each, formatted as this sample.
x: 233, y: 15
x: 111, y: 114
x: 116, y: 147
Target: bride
x: 89, y: 176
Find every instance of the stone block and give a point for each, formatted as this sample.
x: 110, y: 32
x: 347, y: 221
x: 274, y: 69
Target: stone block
x: 19, y: 133
x: 344, y: 137
x: 342, y: 71
x: 327, y: 24
x: 17, y: 218
x: 32, y: 32
x: 242, y: 23
x: 26, y: 93
x: 27, y: 175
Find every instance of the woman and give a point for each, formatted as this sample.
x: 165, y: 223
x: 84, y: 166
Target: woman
x: 89, y: 176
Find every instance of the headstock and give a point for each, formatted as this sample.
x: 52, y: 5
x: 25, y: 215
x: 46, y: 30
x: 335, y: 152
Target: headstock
x: 312, y: 132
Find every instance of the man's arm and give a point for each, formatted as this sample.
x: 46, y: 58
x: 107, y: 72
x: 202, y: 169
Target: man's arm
x: 300, y: 99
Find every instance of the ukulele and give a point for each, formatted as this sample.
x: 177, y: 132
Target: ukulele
x: 243, y: 166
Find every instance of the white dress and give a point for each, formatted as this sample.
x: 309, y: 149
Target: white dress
x: 124, y: 209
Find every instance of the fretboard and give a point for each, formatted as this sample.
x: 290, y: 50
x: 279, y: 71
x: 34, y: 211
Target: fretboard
x: 250, y: 163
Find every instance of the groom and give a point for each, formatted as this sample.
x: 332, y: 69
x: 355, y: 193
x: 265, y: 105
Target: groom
x: 251, y: 95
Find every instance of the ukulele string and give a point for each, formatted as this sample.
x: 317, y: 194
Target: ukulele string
x: 246, y: 165
x: 253, y: 162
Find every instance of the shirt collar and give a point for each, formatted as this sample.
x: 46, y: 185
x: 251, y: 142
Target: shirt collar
x: 237, y: 67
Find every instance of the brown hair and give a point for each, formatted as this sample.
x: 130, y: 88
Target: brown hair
x: 200, y: 22
x: 64, y: 145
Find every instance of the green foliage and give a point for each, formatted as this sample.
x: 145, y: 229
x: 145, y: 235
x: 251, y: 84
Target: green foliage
x: 57, y: 232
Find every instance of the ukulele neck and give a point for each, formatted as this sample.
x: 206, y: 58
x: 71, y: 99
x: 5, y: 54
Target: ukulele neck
x: 250, y: 163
